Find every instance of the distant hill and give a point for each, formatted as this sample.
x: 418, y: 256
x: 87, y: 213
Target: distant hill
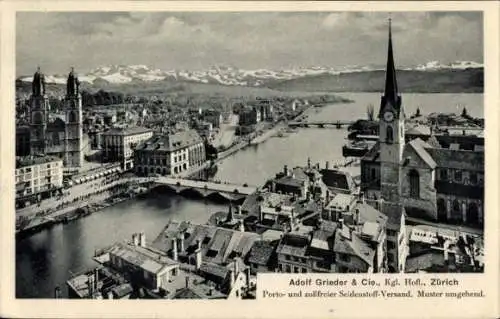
x: 411, y: 81
x: 433, y: 79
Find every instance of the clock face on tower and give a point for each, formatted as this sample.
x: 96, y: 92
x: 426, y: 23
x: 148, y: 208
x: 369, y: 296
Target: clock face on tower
x: 388, y: 116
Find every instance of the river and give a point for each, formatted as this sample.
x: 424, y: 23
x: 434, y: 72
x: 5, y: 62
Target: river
x: 47, y: 259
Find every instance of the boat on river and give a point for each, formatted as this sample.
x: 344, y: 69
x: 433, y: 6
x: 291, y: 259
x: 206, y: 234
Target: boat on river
x: 357, y: 148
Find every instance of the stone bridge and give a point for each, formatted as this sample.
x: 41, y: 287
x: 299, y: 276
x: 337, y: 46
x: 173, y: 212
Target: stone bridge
x: 337, y: 124
x: 232, y: 192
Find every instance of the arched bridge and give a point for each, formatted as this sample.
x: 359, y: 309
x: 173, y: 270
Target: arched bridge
x: 205, y: 189
x: 337, y: 124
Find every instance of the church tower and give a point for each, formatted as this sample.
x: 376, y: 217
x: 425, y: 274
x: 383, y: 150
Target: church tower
x: 39, y: 115
x: 391, y: 132
x: 74, y: 132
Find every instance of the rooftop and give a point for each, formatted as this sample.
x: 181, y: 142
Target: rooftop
x: 127, y: 131
x: 261, y: 253
x: 171, y: 142
x: 145, y: 258
x: 35, y: 160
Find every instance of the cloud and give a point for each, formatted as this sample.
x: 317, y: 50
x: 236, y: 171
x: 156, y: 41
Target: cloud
x: 194, y: 40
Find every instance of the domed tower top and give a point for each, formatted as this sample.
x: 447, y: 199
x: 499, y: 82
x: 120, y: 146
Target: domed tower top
x: 72, y: 85
x: 38, y: 84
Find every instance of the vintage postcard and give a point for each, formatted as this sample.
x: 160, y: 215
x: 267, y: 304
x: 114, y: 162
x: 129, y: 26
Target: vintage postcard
x: 249, y: 159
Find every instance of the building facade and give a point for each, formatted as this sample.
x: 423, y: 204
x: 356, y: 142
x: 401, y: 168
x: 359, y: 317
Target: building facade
x: 38, y: 177
x: 170, y: 154
x: 118, y: 144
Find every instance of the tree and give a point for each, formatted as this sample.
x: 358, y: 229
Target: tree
x: 370, y: 112
x: 464, y: 113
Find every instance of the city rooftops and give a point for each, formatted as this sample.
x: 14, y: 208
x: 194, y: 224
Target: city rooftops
x: 35, y: 160
x: 170, y: 142
x: 127, y: 131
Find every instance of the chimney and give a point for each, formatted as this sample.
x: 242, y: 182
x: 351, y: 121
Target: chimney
x: 135, y: 239
x: 174, y: 250
x: 110, y: 294
x: 187, y: 282
x: 142, y: 239
x: 356, y: 216
x: 231, y: 279
x: 285, y: 170
x: 236, y: 268
x: 90, y: 286
x: 96, y: 278
x: 198, y: 255
x: 362, y: 197
x: 181, y: 247
x: 239, y: 210
x: 261, y: 215
x: 247, y: 273
x: 327, y: 165
x: 230, y: 214
x: 308, y: 162
x: 57, y: 293
x: 242, y: 227
x: 327, y: 197
x: 341, y: 223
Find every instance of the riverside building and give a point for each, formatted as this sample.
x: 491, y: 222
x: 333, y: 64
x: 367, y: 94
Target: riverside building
x: 37, y: 177
x: 169, y: 154
x: 118, y: 144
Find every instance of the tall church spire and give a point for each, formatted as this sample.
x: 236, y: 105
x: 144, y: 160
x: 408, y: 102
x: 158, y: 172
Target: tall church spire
x: 391, y: 84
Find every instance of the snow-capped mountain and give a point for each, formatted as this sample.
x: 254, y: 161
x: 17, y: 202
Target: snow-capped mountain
x: 228, y: 75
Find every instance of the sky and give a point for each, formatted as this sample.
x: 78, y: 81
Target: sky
x: 57, y: 41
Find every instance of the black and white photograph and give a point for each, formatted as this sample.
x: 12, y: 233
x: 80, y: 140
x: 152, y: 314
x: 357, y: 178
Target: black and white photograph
x: 177, y: 155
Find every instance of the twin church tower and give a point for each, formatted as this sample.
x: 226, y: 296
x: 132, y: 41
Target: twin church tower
x: 62, y: 137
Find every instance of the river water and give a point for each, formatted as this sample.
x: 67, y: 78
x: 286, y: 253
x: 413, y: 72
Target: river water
x: 48, y: 258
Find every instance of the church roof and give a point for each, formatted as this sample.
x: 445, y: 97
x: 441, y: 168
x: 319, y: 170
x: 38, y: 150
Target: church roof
x: 420, y: 148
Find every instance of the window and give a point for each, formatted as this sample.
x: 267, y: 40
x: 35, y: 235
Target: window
x: 444, y: 174
x: 389, y: 134
x: 473, y: 178
x: 414, y: 184
x: 287, y: 257
x: 458, y: 176
x: 456, y: 206
x: 391, y: 245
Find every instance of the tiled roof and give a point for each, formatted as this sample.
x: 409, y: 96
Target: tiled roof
x: 337, y: 179
x: 394, y: 212
x: 219, y: 240
x: 424, y: 261
x: 458, y: 159
x: 368, y: 213
x: 127, y: 131
x: 293, y: 244
x: 354, y: 246
x: 170, y: 142
x: 373, y: 155
x: 142, y: 257
x: 215, y: 270
x: 261, y: 253
x: 420, y: 148
x: 35, y: 160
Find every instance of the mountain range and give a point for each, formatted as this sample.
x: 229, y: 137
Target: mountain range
x: 460, y: 76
